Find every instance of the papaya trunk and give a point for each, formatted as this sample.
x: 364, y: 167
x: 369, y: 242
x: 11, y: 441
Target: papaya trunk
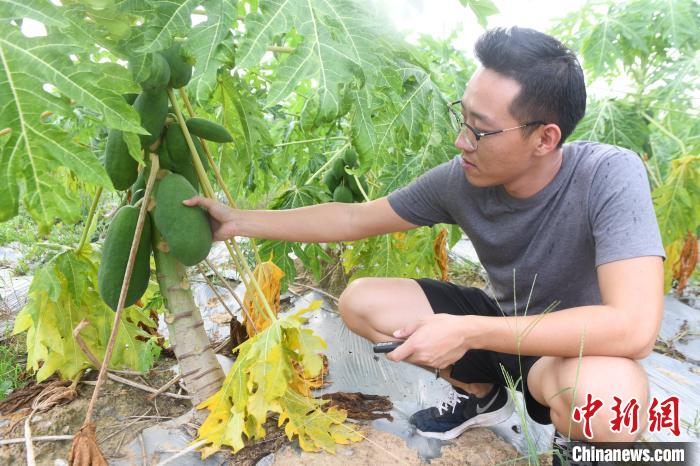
x: 199, y: 367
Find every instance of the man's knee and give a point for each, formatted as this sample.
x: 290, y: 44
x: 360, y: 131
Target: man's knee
x: 354, y: 302
x: 604, y: 378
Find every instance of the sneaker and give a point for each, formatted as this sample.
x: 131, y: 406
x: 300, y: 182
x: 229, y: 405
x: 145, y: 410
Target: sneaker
x: 462, y: 411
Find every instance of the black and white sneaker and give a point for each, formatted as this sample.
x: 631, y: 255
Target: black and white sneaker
x: 462, y: 411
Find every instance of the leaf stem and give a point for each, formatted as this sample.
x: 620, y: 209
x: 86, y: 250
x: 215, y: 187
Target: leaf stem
x: 359, y: 185
x: 668, y: 133
x: 88, y: 223
x: 305, y: 141
x: 277, y: 49
x: 328, y: 162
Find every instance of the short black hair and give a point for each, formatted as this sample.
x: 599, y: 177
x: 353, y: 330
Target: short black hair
x: 550, y: 75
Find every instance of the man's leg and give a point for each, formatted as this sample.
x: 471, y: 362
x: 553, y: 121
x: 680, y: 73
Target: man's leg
x: 551, y: 381
x: 375, y: 307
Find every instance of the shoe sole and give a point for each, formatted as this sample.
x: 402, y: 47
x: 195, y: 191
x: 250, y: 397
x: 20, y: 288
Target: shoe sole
x: 483, y: 420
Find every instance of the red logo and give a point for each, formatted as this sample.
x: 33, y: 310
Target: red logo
x: 664, y: 415
x: 586, y: 412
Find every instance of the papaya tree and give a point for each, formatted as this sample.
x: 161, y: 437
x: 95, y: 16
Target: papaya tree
x: 123, y: 96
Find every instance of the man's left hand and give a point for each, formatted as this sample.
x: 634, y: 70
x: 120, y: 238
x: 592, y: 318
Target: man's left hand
x: 434, y: 341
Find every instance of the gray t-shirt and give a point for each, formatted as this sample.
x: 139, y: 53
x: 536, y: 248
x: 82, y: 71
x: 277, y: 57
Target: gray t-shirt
x: 596, y: 210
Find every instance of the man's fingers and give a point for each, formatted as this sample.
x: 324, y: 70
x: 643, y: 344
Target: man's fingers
x: 197, y: 200
x: 402, y: 352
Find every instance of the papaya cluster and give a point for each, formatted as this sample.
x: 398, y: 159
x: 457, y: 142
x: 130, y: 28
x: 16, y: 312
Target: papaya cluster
x: 184, y: 231
x: 342, y: 185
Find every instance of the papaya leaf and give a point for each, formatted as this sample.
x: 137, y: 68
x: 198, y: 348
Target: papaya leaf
x: 677, y: 200
x: 36, y: 148
x: 337, y: 50
x: 169, y: 19
x: 263, y: 380
x: 364, y: 134
x: 290, y: 198
x: 268, y: 276
x: 244, y: 118
x: 482, y: 9
x: 62, y: 293
x: 396, y: 255
x: 205, y: 42
x: 43, y: 12
x: 613, y: 121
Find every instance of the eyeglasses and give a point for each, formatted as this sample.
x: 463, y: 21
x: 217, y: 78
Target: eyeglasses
x: 474, y: 135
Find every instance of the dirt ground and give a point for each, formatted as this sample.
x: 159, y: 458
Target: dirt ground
x: 120, y: 414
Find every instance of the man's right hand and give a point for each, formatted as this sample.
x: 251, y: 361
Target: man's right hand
x: 220, y: 216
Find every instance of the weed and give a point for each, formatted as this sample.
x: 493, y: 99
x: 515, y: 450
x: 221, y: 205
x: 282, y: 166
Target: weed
x: 12, y: 373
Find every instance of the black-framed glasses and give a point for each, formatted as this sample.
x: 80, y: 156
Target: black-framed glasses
x: 474, y: 135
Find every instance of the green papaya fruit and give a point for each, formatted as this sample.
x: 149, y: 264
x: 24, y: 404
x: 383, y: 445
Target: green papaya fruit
x: 119, y: 164
x: 350, y: 157
x: 330, y: 180
x: 351, y: 183
x: 139, y: 187
x: 342, y: 194
x: 152, y: 107
x: 150, y: 71
x: 179, y: 150
x: 185, y: 229
x: 115, y: 255
x: 164, y: 160
x: 208, y: 130
x: 338, y: 167
x: 180, y: 68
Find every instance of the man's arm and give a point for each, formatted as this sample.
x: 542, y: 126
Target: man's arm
x: 625, y: 324
x: 322, y: 223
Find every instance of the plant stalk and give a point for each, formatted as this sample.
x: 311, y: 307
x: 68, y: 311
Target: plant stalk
x: 88, y: 223
x: 122, y: 295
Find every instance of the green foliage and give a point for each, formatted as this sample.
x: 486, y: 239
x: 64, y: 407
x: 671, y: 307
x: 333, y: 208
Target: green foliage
x: 280, y: 251
x: 677, y: 201
x: 408, y: 254
x: 63, y: 292
x: 652, y: 79
x: 12, y: 375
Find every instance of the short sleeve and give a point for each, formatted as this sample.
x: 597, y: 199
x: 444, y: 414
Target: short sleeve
x: 621, y: 211
x: 422, y: 202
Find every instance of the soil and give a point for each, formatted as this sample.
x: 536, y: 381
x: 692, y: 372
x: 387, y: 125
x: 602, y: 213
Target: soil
x: 477, y: 447
x: 116, y: 415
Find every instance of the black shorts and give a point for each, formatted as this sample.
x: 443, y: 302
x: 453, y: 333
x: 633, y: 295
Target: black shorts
x: 482, y: 366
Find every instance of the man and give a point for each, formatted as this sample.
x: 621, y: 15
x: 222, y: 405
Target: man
x: 567, y: 234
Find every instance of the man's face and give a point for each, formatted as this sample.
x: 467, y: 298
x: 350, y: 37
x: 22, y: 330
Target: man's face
x: 499, y: 159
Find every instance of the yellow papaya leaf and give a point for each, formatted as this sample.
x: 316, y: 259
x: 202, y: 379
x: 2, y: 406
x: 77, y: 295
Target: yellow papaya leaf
x: 673, y: 254
x: 272, y: 375
x: 62, y: 293
x: 399, y: 240
x: 440, y: 249
x: 269, y: 278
